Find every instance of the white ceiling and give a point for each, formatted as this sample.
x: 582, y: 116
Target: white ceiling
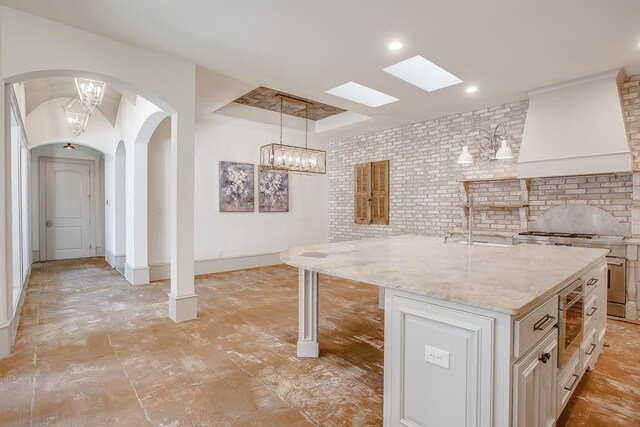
x: 38, y: 91
x: 305, y: 48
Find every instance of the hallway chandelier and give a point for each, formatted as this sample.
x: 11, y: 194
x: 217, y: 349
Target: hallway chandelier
x: 77, y: 116
x: 90, y: 92
x: 495, y: 144
x: 303, y: 160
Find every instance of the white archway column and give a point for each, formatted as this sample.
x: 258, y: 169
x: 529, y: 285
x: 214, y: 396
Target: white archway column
x: 6, y: 297
x: 182, y: 298
x: 119, y: 208
x: 136, y: 267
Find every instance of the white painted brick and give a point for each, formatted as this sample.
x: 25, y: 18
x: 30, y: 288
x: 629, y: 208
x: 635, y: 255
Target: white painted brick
x: 425, y: 194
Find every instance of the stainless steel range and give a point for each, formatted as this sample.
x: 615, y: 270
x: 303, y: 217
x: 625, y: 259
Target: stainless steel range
x: 584, y: 226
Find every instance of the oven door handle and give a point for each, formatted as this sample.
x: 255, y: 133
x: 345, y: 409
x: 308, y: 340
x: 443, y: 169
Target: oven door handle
x: 543, y: 323
x: 615, y: 264
x: 574, y: 300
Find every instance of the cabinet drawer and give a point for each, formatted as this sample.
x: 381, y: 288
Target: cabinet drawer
x: 588, y: 349
x: 592, y: 278
x: 568, y: 379
x: 534, y: 326
x: 590, y: 312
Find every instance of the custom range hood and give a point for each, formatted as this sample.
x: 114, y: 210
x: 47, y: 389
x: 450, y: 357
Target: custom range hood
x: 575, y: 128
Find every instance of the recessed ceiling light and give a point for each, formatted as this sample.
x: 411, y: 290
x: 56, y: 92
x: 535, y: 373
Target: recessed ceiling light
x: 422, y: 73
x: 361, y: 94
x: 395, y: 45
x: 471, y: 89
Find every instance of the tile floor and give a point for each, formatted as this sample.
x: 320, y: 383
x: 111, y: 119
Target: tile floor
x: 93, y: 350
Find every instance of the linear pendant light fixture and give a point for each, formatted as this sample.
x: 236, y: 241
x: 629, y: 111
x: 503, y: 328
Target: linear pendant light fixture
x: 303, y: 160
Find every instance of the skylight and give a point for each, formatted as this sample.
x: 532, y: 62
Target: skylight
x: 361, y: 94
x: 422, y: 73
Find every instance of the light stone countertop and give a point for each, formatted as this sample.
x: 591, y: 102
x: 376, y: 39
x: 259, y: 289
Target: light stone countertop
x: 508, y: 279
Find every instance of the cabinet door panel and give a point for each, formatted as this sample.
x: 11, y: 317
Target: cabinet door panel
x: 534, y: 385
x: 463, y: 393
x: 548, y: 382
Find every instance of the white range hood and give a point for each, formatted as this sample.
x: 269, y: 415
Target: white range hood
x: 575, y: 128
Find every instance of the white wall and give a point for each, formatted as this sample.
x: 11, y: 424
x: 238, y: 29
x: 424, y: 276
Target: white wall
x: 158, y: 200
x: 83, y: 153
x: 229, y: 139
x: 223, y: 138
x: 115, y: 207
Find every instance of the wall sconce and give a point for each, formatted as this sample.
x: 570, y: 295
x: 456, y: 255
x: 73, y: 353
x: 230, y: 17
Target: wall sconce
x: 495, y: 144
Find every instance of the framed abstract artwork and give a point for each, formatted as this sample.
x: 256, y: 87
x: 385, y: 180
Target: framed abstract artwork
x: 273, y: 190
x: 236, y: 187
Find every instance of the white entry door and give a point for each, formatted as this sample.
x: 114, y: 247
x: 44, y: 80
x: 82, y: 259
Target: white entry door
x: 68, y: 226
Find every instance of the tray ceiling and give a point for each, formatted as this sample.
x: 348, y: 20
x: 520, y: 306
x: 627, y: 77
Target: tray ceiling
x: 267, y: 99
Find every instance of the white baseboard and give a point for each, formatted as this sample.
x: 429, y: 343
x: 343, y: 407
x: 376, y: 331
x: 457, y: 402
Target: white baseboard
x: 162, y: 271
x: 35, y: 255
x: 110, y: 258
x: 136, y: 275
x: 100, y: 251
x: 115, y: 261
x: 8, y: 330
x: 183, y: 308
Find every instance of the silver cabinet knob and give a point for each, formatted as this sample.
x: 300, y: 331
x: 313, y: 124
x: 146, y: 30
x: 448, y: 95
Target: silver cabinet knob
x: 49, y: 223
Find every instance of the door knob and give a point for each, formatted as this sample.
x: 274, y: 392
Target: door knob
x: 49, y: 223
x: 544, y: 357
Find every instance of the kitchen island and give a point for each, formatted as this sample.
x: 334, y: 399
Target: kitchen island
x: 470, y: 336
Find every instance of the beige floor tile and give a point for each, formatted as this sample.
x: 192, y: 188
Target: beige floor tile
x: 93, y: 350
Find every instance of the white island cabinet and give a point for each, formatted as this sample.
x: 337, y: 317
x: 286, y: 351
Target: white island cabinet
x: 471, y: 332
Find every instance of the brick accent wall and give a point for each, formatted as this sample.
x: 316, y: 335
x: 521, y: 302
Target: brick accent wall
x: 630, y: 94
x: 610, y: 192
x: 425, y: 196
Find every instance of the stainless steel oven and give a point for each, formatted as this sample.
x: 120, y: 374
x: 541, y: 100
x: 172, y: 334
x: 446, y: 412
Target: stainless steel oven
x: 570, y: 320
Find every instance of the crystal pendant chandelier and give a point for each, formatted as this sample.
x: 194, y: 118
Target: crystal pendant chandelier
x: 292, y: 158
x: 90, y: 92
x: 77, y: 116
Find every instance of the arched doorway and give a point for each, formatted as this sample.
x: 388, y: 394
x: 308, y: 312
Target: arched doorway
x: 165, y: 80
